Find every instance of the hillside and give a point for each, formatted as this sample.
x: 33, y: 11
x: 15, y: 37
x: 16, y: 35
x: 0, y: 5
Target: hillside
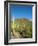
x: 22, y: 28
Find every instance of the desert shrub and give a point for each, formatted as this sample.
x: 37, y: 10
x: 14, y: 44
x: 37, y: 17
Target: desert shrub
x: 24, y: 29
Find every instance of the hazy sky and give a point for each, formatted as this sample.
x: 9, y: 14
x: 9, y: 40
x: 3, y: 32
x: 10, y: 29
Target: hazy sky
x: 18, y: 11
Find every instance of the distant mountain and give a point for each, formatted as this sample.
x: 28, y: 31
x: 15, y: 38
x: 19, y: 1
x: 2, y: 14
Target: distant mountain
x: 22, y: 20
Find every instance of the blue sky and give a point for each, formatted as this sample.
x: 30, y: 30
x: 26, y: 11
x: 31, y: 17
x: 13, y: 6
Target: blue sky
x: 18, y: 11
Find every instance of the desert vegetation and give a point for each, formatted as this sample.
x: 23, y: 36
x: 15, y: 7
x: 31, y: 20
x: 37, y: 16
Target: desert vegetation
x: 21, y: 28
